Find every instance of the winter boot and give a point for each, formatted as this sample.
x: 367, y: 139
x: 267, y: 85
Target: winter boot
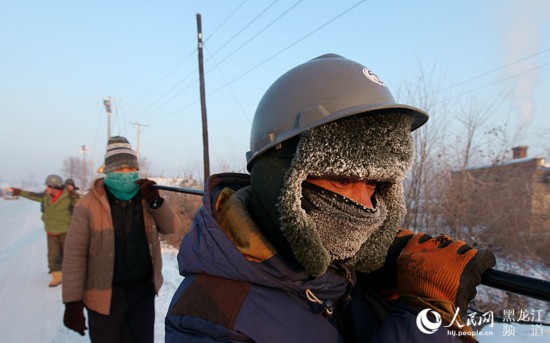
x: 56, y: 279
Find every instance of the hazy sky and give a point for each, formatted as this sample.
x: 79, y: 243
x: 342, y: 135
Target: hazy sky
x: 60, y: 59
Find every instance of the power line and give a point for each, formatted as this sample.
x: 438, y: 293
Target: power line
x: 142, y: 114
x: 231, y: 90
x: 260, y: 32
x: 162, y: 79
x: 192, y: 72
x: 245, y: 27
x: 176, y: 111
x: 497, y: 69
x: 216, y: 64
x: 499, y: 81
x: 226, y: 84
x: 224, y: 21
x: 290, y: 45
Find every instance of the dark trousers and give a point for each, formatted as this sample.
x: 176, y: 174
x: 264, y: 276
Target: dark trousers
x: 55, y: 251
x: 132, y: 317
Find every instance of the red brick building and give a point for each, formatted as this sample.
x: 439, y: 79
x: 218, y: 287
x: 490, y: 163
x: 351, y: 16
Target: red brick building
x: 513, y: 194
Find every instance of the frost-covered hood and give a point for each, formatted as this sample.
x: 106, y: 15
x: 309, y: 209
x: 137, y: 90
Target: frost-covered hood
x: 376, y: 147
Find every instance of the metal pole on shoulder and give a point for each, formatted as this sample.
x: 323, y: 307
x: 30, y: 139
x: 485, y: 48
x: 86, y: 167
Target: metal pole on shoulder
x: 519, y: 284
x: 180, y: 190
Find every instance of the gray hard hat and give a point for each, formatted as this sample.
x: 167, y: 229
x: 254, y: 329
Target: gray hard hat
x: 70, y: 182
x: 322, y: 90
x: 54, y: 181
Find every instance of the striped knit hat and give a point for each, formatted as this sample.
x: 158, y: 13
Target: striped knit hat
x: 119, y: 155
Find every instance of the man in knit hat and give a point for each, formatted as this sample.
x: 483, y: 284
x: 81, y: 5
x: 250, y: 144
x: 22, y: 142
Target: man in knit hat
x: 288, y: 253
x: 57, y: 206
x: 112, y: 256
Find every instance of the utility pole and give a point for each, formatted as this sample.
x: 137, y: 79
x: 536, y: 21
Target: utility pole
x: 72, y: 168
x: 206, y: 157
x: 139, y: 125
x: 84, y: 178
x: 107, y: 104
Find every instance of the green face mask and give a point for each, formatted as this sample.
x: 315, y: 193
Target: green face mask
x: 122, y: 185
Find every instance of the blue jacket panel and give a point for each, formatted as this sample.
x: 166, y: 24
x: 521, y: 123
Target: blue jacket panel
x: 265, y: 315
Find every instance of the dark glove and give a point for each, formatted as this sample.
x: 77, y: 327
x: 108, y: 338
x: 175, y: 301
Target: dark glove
x: 149, y: 193
x: 384, y: 279
x: 15, y: 191
x: 74, y: 317
x: 442, y: 269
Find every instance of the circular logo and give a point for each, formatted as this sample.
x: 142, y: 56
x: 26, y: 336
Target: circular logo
x: 424, y: 323
x: 373, y: 77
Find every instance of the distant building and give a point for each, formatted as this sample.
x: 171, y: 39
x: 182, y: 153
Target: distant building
x: 513, y: 194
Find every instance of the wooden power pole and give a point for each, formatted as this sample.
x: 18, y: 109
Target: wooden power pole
x: 84, y: 177
x: 139, y: 126
x: 206, y: 157
x: 107, y: 104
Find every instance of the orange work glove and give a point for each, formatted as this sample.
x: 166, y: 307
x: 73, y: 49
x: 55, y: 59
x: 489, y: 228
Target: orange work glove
x: 441, y: 269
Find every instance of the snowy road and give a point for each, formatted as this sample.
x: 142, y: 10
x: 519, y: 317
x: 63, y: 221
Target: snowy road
x: 30, y: 311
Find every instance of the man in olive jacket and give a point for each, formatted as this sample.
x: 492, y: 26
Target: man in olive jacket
x: 57, y: 207
x: 113, y: 258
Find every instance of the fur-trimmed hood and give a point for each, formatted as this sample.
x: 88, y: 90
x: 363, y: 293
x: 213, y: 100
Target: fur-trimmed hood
x: 376, y: 147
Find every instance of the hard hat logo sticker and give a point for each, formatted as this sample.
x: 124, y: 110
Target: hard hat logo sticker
x: 373, y: 77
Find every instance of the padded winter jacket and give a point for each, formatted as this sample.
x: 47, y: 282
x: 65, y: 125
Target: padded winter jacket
x: 88, y: 260
x: 238, y: 289
x: 56, y: 217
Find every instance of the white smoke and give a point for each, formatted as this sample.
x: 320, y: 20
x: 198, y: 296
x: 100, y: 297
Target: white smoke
x: 522, y: 38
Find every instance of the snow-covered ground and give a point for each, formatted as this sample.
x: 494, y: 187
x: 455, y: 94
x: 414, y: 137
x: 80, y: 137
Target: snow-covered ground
x: 30, y: 311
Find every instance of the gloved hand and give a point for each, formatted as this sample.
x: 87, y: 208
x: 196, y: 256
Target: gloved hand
x: 149, y: 193
x: 384, y: 279
x: 442, y: 269
x: 15, y: 191
x: 73, y: 318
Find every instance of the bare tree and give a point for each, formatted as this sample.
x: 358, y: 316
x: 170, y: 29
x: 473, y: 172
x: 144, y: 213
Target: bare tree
x: 461, y: 133
x: 422, y: 92
x: 144, y: 166
x: 447, y: 192
x: 74, y: 168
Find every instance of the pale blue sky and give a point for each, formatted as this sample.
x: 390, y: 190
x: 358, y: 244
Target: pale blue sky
x: 59, y: 59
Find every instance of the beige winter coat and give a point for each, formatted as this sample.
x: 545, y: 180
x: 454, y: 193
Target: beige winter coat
x: 88, y: 258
